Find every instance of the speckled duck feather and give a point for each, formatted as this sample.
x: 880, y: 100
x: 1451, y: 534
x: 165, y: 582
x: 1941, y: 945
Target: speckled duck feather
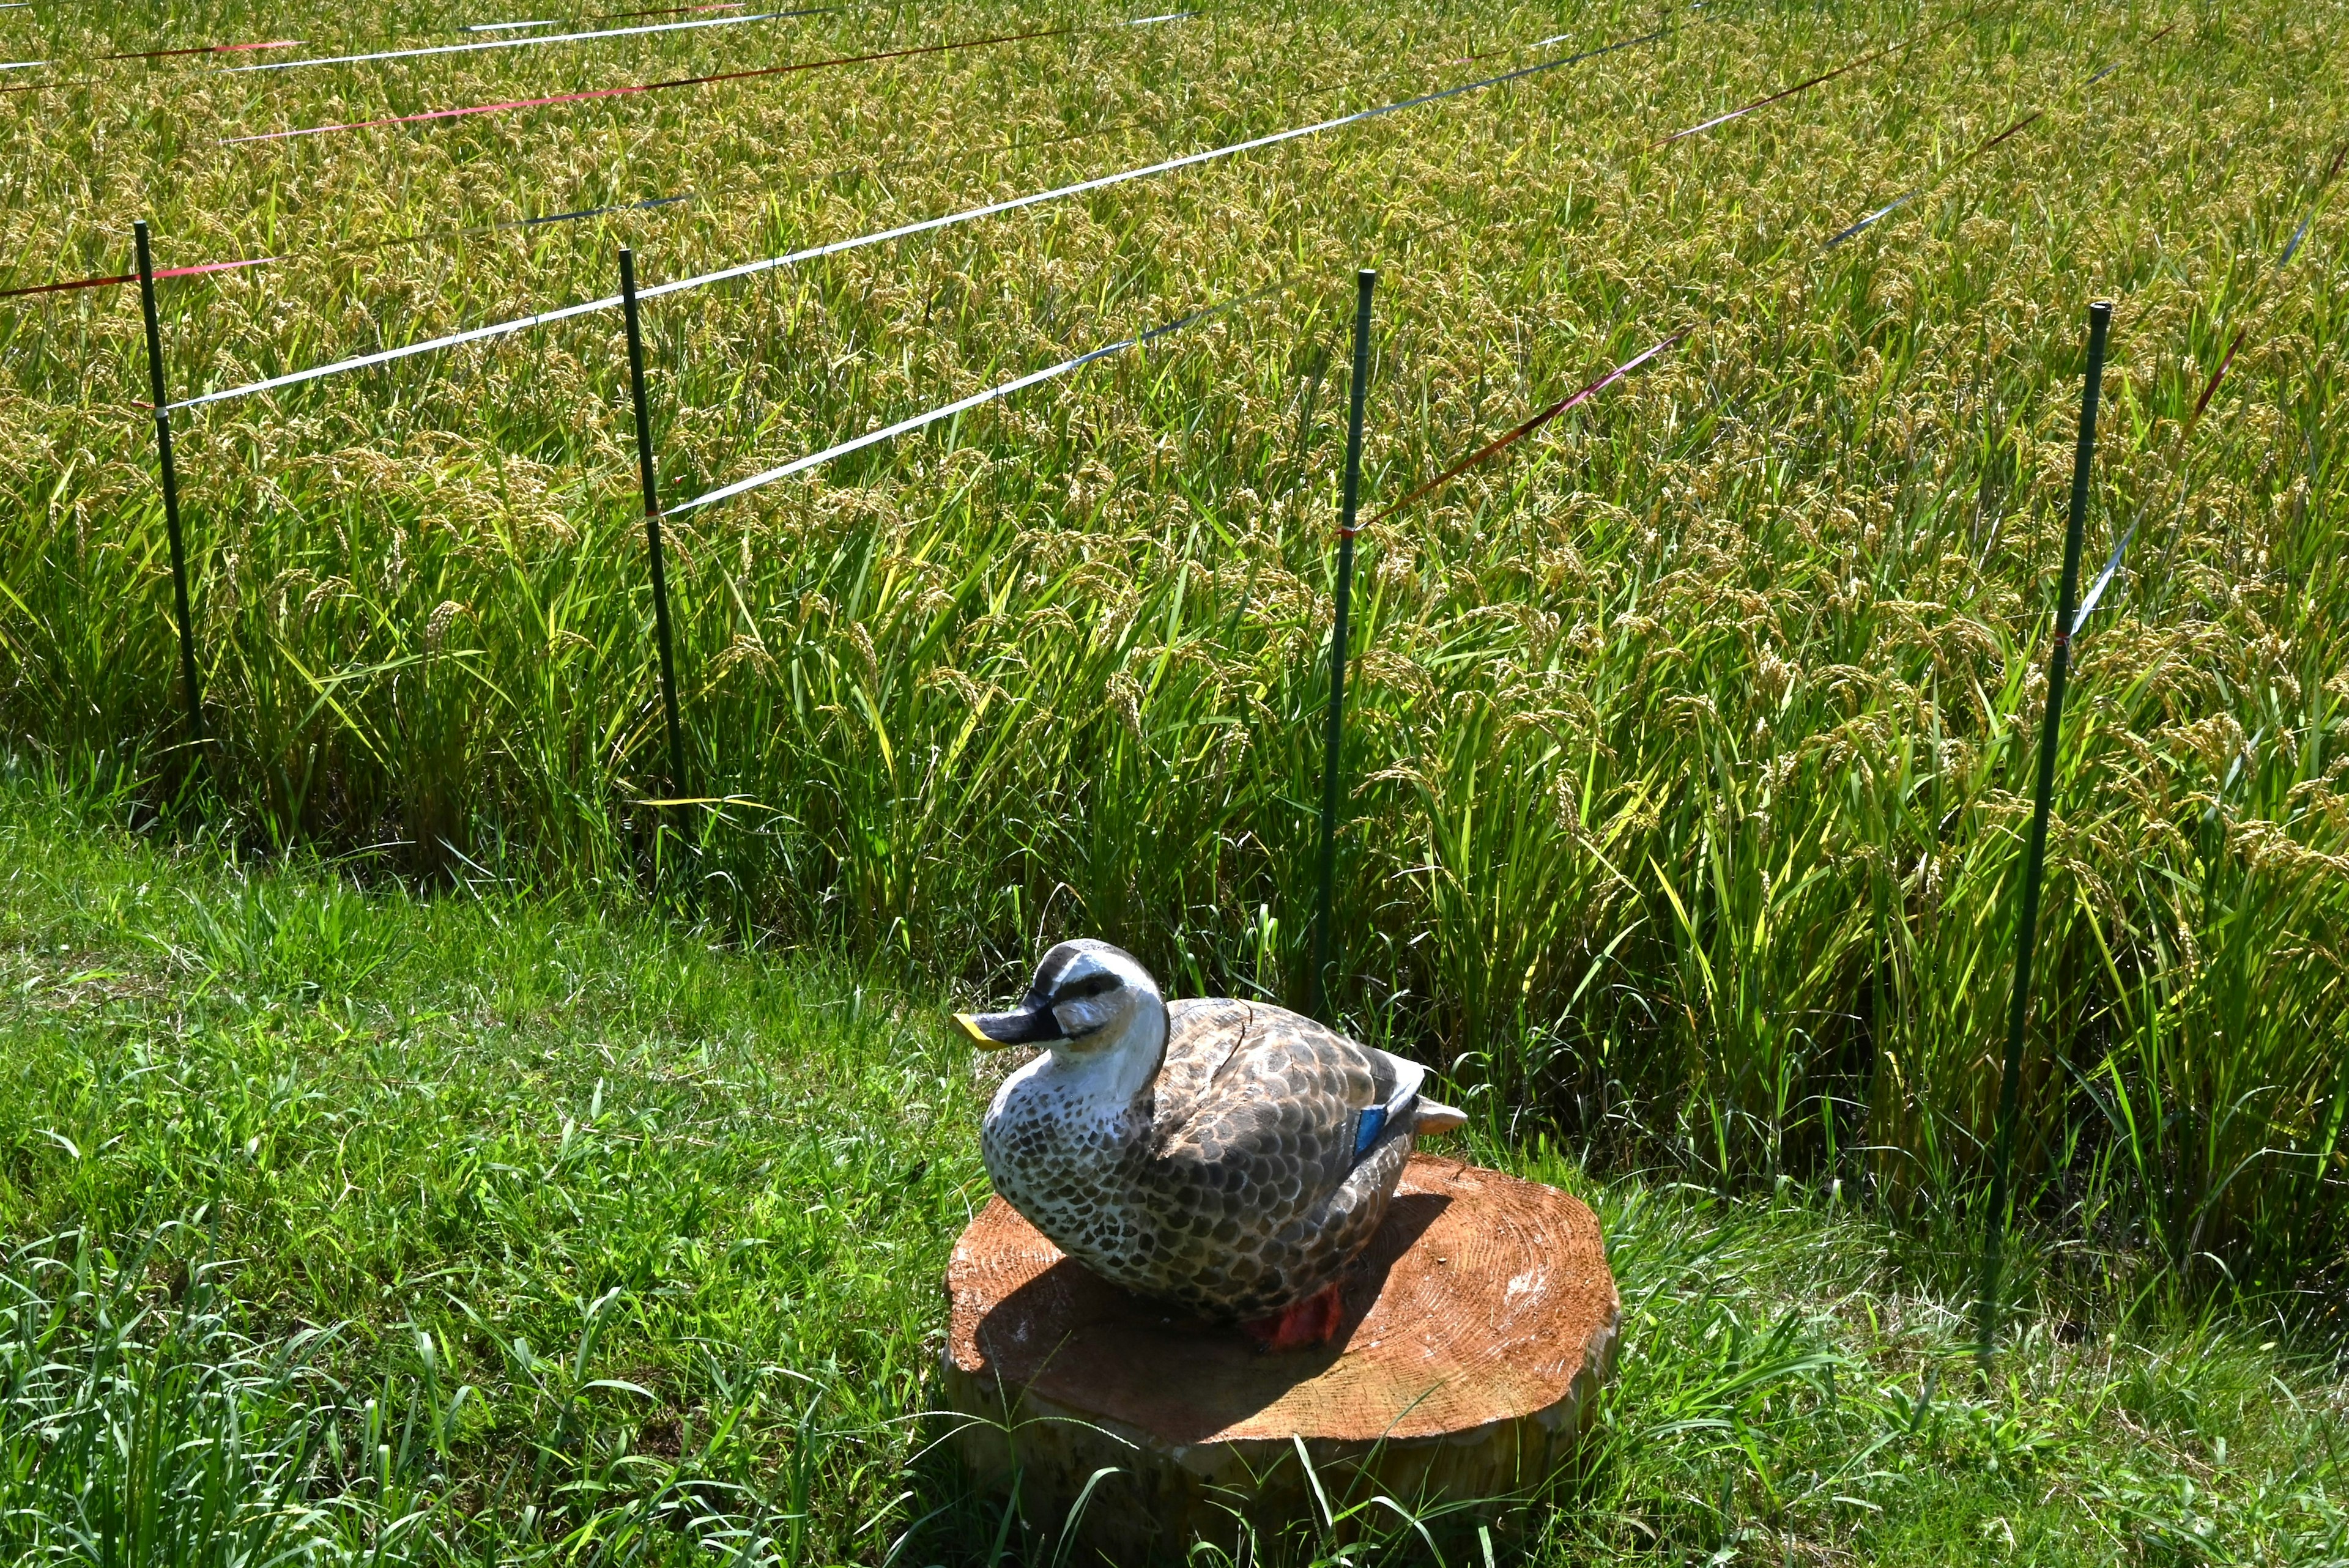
x: 1244, y: 1178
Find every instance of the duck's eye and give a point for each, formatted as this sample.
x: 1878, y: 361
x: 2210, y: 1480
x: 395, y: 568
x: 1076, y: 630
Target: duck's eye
x: 1089, y: 985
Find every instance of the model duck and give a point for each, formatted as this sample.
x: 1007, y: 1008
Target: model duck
x: 1229, y: 1157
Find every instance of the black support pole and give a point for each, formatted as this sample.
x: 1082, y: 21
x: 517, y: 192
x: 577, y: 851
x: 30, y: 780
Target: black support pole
x: 1364, y: 281
x: 2059, y: 664
x: 652, y: 522
x: 194, y: 693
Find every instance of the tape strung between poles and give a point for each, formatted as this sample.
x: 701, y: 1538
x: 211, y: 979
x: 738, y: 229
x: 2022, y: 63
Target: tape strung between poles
x: 874, y: 438
x: 206, y: 49
x: 2211, y: 389
x: 445, y: 233
x: 588, y: 95
x: 1844, y: 69
x: 1899, y: 201
x: 133, y: 278
x: 520, y: 42
x: 1951, y: 167
x: 1500, y: 444
x: 903, y: 230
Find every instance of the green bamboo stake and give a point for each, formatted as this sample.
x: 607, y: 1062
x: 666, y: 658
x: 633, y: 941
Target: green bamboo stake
x: 1364, y: 281
x: 2059, y: 664
x: 652, y: 522
x: 170, y: 496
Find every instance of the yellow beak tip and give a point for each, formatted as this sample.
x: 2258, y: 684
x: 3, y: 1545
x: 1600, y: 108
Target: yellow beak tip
x: 969, y: 1022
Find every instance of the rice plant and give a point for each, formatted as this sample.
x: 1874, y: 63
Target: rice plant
x: 1691, y: 735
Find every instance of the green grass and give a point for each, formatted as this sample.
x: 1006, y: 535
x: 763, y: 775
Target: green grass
x: 342, y: 1226
x: 1684, y: 779
x: 1685, y: 773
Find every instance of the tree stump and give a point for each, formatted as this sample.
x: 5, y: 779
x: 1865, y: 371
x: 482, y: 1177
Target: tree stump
x: 1477, y: 1329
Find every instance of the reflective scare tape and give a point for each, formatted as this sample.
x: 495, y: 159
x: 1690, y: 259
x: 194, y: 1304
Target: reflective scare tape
x: 874, y: 438
x: 583, y: 213
x: 2104, y: 578
x: 480, y: 229
x: 2210, y: 388
x: 439, y: 234
x: 1899, y: 201
x: 904, y: 231
x: 2297, y: 236
x: 2291, y: 247
x: 518, y: 43
x: 1844, y: 69
x: 133, y: 278
x: 589, y: 95
x: 206, y: 49
x: 2016, y: 129
x: 1884, y: 211
x: 1502, y: 443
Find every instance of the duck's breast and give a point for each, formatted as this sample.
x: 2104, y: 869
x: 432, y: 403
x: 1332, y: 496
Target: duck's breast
x: 1059, y: 1158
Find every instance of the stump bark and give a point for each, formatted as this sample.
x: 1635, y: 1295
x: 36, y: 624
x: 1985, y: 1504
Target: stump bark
x: 1477, y: 1329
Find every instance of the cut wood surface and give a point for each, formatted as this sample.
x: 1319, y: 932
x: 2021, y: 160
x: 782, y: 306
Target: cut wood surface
x: 1477, y: 1329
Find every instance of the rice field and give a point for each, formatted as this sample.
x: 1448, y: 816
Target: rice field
x: 1691, y: 737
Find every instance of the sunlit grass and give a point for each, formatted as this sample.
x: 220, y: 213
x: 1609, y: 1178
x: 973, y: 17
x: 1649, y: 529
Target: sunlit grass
x: 1685, y: 772
x: 360, y: 1228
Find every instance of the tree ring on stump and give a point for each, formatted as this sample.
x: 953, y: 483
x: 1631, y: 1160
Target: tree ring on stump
x: 1477, y: 1329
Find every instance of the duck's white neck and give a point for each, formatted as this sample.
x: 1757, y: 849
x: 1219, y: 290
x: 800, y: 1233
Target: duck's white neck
x: 1104, y: 1079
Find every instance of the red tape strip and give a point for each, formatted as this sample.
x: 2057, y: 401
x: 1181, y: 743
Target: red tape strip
x: 596, y: 93
x: 2217, y: 375
x: 205, y: 50
x: 1501, y: 444
x: 133, y: 278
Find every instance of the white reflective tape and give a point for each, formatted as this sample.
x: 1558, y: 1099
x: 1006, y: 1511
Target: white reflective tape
x: 2104, y: 580
x: 874, y: 438
x: 511, y: 43
x: 389, y: 355
x: 1884, y: 211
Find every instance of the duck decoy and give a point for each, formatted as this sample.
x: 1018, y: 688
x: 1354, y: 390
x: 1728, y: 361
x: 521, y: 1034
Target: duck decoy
x: 1232, y: 1158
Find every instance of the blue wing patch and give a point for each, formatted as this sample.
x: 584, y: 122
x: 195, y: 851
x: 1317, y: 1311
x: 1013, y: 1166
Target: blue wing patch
x: 1366, y: 1131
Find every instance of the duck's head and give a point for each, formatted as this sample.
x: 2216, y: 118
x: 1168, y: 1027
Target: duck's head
x: 1088, y: 997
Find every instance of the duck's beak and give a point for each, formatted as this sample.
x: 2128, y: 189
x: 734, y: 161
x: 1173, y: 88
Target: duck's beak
x: 1020, y: 1026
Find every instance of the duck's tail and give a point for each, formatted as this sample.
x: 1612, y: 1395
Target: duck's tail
x: 1405, y: 1108
x: 1430, y: 1117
